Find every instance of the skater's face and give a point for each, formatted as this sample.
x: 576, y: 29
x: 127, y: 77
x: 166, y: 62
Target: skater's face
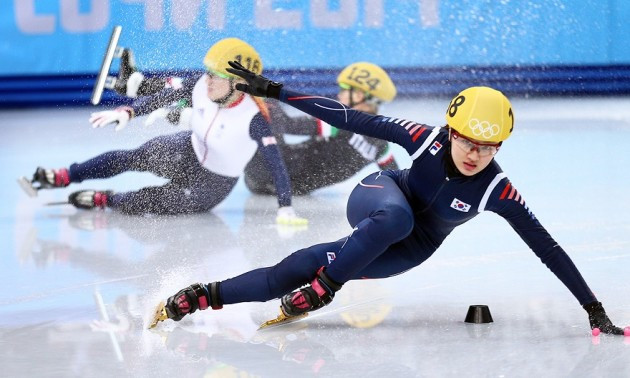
x: 218, y: 87
x: 471, y: 156
x: 356, y: 99
x: 347, y: 97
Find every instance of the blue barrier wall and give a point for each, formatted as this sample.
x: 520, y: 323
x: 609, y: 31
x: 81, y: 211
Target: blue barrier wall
x: 51, y: 49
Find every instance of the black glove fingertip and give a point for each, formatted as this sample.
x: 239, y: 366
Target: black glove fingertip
x: 235, y: 64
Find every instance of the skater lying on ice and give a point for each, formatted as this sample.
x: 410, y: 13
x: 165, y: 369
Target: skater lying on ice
x: 331, y: 155
x: 202, y: 165
x: 401, y: 217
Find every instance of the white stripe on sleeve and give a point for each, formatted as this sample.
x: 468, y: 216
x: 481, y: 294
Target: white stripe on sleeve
x: 426, y: 143
x: 486, y: 195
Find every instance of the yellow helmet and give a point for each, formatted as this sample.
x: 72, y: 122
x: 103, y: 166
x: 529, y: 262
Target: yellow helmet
x: 481, y: 113
x: 216, y: 59
x: 369, y: 78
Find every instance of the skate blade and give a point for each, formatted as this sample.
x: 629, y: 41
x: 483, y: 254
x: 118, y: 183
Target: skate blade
x: 282, y: 319
x: 99, y: 85
x: 159, y: 316
x: 57, y: 203
x: 26, y: 185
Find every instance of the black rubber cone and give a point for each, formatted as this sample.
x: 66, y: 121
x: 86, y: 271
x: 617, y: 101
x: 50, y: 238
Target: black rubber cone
x: 478, y: 314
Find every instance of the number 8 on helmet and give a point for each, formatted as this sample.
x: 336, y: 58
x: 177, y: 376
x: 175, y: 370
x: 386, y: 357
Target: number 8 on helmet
x: 482, y: 114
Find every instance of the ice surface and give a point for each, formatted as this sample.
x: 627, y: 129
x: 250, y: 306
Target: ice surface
x: 80, y: 285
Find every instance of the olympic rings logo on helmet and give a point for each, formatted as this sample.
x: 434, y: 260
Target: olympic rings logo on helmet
x: 481, y: 113
x: 483, y: 128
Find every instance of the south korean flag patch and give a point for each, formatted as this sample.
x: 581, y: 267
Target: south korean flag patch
x: 460, y: 206
x: 435, y: 148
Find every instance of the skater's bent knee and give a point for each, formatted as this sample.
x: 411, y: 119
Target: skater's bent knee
x: 399, y: 219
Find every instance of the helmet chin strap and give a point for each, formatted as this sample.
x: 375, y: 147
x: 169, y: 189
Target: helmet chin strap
x: 223, y: 100
x: 451, y: 168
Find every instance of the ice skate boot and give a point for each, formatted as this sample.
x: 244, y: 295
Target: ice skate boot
x: 129, y: 78
x: 89, y: 199
x: 45, y: 179
x: 188, y: 300
x: 314, y: 296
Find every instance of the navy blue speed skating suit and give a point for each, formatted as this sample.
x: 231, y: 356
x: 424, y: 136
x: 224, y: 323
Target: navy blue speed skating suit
x: 401, y: 217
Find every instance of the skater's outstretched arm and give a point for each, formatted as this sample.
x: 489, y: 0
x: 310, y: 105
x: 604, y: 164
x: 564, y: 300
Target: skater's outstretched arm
x: 260, y: 131
x: 143, y: 105
x: 506, y: 201
x: 410, y: 135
